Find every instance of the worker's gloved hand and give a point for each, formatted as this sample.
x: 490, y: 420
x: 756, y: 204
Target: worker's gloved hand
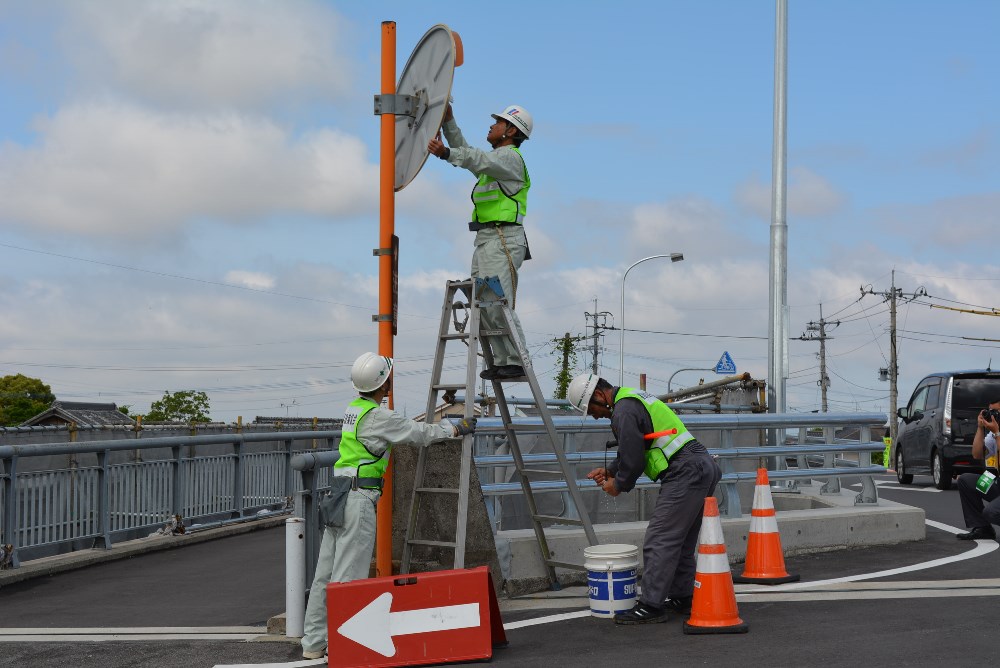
x: 465, y: 426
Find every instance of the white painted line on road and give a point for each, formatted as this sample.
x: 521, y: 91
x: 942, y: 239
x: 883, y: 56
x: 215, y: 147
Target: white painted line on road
x: 888, y: 484
x: 147, y: 630
x: 290, y: 664
x: 144, y: 633
x: 546, y: 620
x: 106, y: 637
x: 982, y: 547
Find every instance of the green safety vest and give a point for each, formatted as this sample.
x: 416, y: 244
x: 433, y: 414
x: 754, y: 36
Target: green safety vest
x: 493, y: 205
x: 354, y: 456
x: 660, y: 450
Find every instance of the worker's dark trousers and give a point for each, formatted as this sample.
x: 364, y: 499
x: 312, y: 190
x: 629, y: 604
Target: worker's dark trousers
x: 668, y: 552
x: 978, y: 509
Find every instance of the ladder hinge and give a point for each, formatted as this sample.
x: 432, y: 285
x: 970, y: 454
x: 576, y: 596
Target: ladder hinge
x: 400, y: 105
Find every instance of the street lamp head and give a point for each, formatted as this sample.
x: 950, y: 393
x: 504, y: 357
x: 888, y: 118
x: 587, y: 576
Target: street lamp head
x: 676, y: 257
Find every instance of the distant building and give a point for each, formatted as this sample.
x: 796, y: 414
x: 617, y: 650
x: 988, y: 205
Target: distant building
x: 82, y: 413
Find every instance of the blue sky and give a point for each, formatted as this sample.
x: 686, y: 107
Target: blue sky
x: 188, y: 190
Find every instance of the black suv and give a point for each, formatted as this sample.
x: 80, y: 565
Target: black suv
x: 939, y: 422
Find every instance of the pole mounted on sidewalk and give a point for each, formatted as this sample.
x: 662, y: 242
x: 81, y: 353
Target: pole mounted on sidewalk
x: 386, y: 291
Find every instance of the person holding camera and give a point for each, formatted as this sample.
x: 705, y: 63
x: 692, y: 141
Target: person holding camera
x: 980, y: 494
x: 367, y: 437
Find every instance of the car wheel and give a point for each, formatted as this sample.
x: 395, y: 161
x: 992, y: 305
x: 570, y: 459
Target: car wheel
x: 903, y: 478
x: 941, y: 473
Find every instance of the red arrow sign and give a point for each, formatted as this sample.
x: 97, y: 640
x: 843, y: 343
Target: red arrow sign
x: 415, y: 619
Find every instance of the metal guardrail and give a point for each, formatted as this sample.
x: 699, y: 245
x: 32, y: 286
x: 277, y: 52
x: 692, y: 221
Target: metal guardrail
x: 111, y: 501
x: 727, y: 425
x: 98, y: 504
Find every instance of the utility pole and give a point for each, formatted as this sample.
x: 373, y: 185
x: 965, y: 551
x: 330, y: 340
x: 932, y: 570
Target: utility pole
x: 598, y: 327
x: 893, y: 295
x: 816, y: 331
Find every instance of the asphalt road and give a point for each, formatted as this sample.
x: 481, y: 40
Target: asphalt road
x: 924, y: 617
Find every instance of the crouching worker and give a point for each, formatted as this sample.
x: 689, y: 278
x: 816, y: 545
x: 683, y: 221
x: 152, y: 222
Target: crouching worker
x: 687, y: 475
x: 368, y: 434
x: 980, y: 494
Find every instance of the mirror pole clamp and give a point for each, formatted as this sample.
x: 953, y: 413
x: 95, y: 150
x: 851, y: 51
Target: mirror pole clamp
x: 400, y: 105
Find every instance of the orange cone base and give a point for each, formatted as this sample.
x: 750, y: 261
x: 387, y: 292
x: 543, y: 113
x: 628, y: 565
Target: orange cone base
x: 739, y: 627
x: 744, y: 579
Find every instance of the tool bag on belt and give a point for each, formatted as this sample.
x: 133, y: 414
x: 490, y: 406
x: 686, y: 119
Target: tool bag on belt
x: 334, y: 503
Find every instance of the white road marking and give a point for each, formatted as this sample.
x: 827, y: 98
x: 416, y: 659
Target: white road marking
x: 982, y: 547
x: 143, y: 633
x: 889, y: 484
x: 546, y: 620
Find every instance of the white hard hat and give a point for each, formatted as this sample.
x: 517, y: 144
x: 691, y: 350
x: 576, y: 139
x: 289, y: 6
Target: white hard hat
x: 370, y: 371
x: 518, y: 116
x: 581, y: 389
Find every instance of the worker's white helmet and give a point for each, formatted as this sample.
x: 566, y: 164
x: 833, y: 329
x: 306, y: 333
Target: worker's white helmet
x: 370, y: 372
x: 518, y: 116
x: 581, y: 389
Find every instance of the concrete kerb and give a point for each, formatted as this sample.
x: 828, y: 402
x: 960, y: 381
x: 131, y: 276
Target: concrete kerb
x: 83, y: 558
x: 818, y: 523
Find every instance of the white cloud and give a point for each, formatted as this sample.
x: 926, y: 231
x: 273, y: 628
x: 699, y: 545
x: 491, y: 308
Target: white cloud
x: 809, y: 194
x: 191, y: 53
x: 110, y: 169
x: 250, y: 279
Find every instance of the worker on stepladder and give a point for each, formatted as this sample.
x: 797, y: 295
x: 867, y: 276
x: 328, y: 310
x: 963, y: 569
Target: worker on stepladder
x: 687, y: 475
x: 368, y: 435
x: 500, y: 199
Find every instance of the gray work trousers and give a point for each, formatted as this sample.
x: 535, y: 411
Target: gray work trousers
x: 979, y: 510
x: 345, y: 555
x: 490, y: 259
x: 668, y: 552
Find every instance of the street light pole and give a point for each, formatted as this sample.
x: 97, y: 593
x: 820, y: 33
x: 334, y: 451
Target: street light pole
x: 674, y: 257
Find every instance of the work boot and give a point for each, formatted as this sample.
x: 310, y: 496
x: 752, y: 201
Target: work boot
x: 318, y: 654
x: 680, y: 605
x: 508, y: 371
x: 490, y: 373
x: 978, y: 533
x: 642, y: 614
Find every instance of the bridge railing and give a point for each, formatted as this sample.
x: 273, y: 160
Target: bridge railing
x: 96, y: 500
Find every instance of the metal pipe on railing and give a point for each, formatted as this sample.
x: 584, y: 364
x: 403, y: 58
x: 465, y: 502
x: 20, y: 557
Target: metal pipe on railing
x: 728, y: 380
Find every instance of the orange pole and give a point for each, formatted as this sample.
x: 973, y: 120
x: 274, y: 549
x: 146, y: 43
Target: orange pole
x: 387, y: 224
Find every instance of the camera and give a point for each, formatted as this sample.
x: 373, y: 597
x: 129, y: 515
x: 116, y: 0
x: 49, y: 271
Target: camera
x: 991, y: 413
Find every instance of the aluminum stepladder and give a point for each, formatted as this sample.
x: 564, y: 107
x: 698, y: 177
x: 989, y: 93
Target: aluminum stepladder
x: 473, y: 295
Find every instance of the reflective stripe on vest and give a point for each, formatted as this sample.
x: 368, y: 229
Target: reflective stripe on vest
x: 659, y: 452
x: 492, y: 205
x: 353, y: 454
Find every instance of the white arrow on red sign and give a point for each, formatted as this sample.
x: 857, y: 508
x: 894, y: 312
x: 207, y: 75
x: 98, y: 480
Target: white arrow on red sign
x: 375, y: 625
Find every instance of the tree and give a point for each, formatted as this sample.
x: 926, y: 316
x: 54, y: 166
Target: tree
x: 565, y: 347
x: 21, y: 398
x: 182, y: 406
x: 125, y: 409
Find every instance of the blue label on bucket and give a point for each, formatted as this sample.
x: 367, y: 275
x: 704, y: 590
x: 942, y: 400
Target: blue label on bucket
x: 622, y: 585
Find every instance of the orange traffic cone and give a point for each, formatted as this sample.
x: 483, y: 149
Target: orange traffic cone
x: 765, y: 562
x: 713, y: 608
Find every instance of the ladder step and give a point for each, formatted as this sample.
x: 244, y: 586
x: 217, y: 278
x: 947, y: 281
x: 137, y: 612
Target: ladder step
x: 532, y: 472
x: 560, y: 520
x: 431, y: 543
x: 448, y: 386
x: 565, y: 564
x: 437, y: 490
x: 452, y: 336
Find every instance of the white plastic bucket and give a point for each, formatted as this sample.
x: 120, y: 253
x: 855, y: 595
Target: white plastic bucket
x: 611, y: 576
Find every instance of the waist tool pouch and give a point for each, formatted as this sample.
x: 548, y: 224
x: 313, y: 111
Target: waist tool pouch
x: 334, y: 503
